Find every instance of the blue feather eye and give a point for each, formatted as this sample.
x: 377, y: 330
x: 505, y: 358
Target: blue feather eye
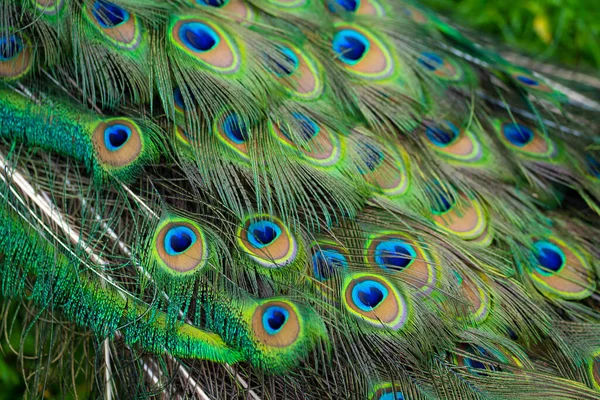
x: 454, y: 143
x: 109, y: 15
x: 444, y: 68
x: 117, y: 142
x: 391, y: 396
x: 198, y: 37
x: 368, y: 295
x: 178, y: 240
x: 180, y: 245
x: 476, y: 364
x: 517, y: 134
x: 308, y: 128
x: 430, y: 61
x: 277, y: 323
x: 234, y: 132
x: 371, y: 156
x: 326, y: 262
x: 394, y: 254
x: 382, y: 164
x: 15, y: 56
x: 459, y: 215
x: 263, y: 233
x: 235, y: 129
x: 443, y: 200
x: 526, y: 80
x: 442, y: 136
x: 386, y: 391
x: 267, y: 241
x: 205, y: 42
x: 212, y: 3
x: 550, y: 257
x: 560, y: 270
x: 529, y: 82
x: 115, y: 24
x: 350, y: 45
x: 296, y: 70
x: 527, y: 141
x: 179, y: 102
x: 274, y: 318
x: 286, y: 63
x: 348, y: 5
x: 115, y: 136
x: 373, y: 299
x: 10, y: 47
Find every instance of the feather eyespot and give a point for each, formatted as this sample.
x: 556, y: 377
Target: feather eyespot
x: 358, y: 7
x: 15, y: 57
x: 213, y: 3
x: 276, y: 323
x: 316, y: 142
x: 517, y: 134
x: 526, y: 140
x: 461, y: 216
x: 444, y: 68
x: 396, y: 253
x: 207, y: 43
x: 117, y: 24
x: 385, y: 171
x: 180, y: 245
x: 452, y: 142
x: 198, y: 37
x: 296, y: 71
x: 267, y: 241
x: 288, y: 64
x: 178, y: 101
x: 116, y: 136
x: 477, y: 298
x: 386, y: 391
x: 49, y: 7
x: 375, y: 300
x: 442, y: 136
x: 530, y: 82
x: 109, y: 15
x: 361, y: 52
x: 117, y: 142
x: 328, y: 259
x: 560, y: 270
x: 550, y: 258
x: 234, y: 132
x: 479, y: 361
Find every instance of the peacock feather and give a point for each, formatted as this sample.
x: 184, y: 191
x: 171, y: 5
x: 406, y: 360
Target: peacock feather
x: 291, y: 199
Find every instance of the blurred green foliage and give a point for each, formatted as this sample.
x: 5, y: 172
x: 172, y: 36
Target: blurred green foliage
x: 565, y: 31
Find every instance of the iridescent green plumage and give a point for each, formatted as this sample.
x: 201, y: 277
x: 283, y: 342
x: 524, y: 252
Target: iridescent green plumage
x: 295, y: 199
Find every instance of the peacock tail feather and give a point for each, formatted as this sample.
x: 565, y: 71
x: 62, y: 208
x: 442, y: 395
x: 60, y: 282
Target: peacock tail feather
x: 292, y: 199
